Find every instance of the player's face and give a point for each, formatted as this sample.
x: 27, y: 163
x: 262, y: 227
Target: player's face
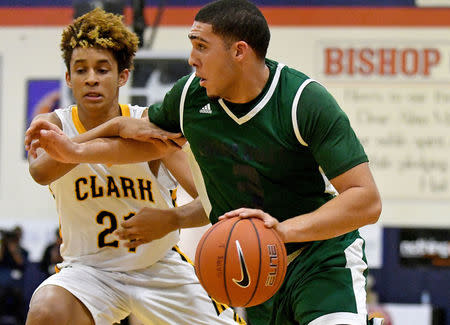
x: 212, y: 60
x: 94, y: 78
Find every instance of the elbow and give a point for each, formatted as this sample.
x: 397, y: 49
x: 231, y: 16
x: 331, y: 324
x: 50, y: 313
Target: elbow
x: 374, y: 210
x: 39, y: 177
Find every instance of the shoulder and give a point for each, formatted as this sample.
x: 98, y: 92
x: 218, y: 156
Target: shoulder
x: 315, y: 94
x: 290, y: 81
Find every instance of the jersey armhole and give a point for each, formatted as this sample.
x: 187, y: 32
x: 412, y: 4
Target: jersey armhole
x: 183, y: 99
x: 294, y: 111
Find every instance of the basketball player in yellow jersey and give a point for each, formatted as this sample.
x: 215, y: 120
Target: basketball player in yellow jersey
x: 101, y: 279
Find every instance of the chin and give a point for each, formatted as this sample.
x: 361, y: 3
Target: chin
x: 212, y: 95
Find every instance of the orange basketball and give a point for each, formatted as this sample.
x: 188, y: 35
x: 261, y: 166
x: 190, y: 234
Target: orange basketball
x: 240, y: 262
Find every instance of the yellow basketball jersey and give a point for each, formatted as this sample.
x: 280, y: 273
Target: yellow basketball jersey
x: 93, y: 199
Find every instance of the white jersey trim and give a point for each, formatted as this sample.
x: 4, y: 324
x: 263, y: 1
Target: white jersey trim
x: 260, y: 105
x: 354, y: 255
x: 183, y: 98
x: 198, y: 179
x: 340, y: 318
x: 294, y: 111
x: 329, y: 188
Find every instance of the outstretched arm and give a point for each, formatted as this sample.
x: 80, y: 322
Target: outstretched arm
x: 62, y: 154
x: 43, y: 168
x: 125, y: 127
x: 110, y: 151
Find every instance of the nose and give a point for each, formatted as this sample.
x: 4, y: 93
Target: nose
x: 91, y: 78
x: 192, y: 60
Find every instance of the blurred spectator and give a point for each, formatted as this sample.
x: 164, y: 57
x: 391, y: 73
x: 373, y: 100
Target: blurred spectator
x: 51, y: 255
x: 13, y: 260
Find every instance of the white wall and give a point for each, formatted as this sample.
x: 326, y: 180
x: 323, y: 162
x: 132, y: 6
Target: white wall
x: 34, y: 53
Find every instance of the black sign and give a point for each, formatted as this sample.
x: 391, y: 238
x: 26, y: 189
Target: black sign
x: 424, y: 247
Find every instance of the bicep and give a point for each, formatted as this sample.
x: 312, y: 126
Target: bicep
x: 358, y: 176
x: 327, y: 131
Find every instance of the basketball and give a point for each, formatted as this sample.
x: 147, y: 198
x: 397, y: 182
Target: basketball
x: 240, y: 262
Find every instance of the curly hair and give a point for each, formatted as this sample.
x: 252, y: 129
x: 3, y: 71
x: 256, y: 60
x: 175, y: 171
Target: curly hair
x: 101, y: 30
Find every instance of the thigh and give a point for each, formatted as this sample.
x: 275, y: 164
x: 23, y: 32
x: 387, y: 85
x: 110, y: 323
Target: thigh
x: 100, y: 294
x: 170, y: 293
x: 325, y: 285
x: 55, y: 305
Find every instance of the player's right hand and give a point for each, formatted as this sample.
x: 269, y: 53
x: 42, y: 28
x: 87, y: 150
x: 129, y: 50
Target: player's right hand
x: 143, y: 130
x: 146, y: 225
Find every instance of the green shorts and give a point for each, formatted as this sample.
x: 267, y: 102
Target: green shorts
x: 325, y: 284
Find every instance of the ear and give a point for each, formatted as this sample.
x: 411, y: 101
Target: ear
x: 68, y: 81
x: 241, y: 49
x: 123, y: 77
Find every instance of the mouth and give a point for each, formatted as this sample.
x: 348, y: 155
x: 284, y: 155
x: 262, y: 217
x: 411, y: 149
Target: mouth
x: 202, y: 80
x: 93, y: 96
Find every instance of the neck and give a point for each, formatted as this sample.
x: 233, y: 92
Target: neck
x: 250, y: 84
x: 93, y: 118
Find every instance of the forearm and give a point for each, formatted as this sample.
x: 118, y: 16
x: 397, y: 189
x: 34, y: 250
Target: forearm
x: 108, y: 129
x: 45, y: 170
x: 178, y: 165
x: 120, y: 151
x: 191, y: 215
x: 352, y: 209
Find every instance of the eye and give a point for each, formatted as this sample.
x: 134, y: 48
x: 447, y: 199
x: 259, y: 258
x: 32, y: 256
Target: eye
x: 80, y: 70
x: 200, y: 46
x: 103, y: 70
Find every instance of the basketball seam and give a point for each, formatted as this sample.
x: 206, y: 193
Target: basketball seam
x: 260, y: 261
x: 225, y: 263
x: 200, y: 256
x: 284, y: 257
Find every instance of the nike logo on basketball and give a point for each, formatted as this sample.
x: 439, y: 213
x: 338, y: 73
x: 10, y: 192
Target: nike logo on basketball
x: 244, y: 282
x: 206, y: 109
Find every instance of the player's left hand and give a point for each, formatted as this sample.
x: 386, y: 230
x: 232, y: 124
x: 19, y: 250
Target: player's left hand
x: 33, y: 134
x: 269, y: 221
x: 58, y: 146
x: 147, y: 225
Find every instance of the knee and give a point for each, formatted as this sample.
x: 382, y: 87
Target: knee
x: 41, y: 313
x: 46, y: 309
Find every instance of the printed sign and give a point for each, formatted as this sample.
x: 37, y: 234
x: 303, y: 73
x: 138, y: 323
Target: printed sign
x: 397, y: 97
x: 429, y: 247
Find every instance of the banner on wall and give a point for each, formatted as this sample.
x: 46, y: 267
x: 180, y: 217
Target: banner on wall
x: 43, y: 96
x: 424, y: 247
x: 397, y: 96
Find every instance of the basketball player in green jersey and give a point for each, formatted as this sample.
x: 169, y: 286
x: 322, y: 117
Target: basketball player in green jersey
x: 270, y: 143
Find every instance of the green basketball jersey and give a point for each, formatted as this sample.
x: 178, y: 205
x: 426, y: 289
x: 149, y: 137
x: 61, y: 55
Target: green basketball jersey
x: 275, y: 153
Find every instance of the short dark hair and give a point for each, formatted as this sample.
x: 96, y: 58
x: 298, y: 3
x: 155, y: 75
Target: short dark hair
x: 237, y: 20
